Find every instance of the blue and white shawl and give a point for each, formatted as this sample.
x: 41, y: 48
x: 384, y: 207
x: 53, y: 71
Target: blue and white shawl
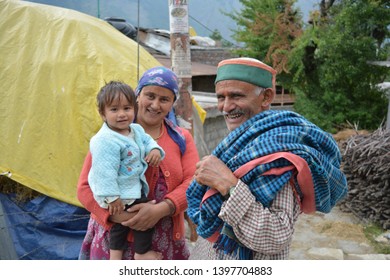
x: 267, y: 133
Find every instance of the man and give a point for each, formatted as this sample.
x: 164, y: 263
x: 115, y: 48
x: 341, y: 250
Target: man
x: 246, y: 197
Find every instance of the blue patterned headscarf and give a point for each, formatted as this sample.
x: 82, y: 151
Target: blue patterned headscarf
x: 166, y: 78
x: 159, y: 76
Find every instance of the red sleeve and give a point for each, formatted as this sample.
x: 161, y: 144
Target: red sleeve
x: 85, y: 196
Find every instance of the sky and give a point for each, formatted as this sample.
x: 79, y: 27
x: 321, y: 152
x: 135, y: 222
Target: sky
x: 205, y: 15
x: 306, y: 6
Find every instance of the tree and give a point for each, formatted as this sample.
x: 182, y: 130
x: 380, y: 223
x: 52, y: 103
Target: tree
x: 333, y: 80
x: 326, y: 63
x: 268, y: 27
x: 216, y: 36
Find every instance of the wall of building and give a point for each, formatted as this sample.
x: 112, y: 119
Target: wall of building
x: 210, y: 56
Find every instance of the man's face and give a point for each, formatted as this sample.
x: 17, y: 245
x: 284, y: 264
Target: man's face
x: 238, y: 102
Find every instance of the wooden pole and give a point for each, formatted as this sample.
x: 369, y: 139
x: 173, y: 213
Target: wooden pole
x: 181, y: 60
x: 181, y: 65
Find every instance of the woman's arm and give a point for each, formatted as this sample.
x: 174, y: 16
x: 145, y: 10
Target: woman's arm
x: 188, y: 162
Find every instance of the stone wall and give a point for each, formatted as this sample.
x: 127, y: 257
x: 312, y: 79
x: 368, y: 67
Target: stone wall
x: 214, y: 131
x: 210, y: 56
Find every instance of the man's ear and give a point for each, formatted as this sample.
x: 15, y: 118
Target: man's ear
x: 268, y: 97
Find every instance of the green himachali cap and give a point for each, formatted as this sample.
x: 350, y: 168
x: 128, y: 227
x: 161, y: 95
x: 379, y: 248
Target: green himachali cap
x: 248, y: 70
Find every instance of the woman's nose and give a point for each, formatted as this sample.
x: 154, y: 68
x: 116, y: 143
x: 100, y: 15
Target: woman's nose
x: 155, y: 104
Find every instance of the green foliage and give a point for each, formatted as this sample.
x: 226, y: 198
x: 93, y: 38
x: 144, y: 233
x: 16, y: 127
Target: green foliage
x: 327, y: 64
x: 330, y: 66
x: 216, y: 36
x: 268, y: 27
x: 372, y: 231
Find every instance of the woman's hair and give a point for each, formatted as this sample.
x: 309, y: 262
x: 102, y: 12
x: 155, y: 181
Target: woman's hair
x: 115, y: 90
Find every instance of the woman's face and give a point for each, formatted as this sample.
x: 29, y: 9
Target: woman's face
x: 154, y: 104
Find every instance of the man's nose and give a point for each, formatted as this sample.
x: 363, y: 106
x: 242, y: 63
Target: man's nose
x: 227, y: 105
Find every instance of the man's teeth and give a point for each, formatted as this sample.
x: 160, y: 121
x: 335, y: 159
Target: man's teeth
x: 233, y: 116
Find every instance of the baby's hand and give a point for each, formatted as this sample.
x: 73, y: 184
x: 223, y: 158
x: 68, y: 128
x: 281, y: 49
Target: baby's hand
x: 153, y: 158
x: 115, y: 207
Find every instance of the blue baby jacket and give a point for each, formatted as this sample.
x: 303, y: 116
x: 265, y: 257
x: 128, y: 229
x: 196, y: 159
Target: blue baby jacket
x: 118, y: 165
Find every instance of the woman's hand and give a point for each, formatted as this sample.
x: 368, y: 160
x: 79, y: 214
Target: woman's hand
x: 147, y: 215
x: 212, y: 172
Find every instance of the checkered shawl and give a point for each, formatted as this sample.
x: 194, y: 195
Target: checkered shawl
x: 267, y: 133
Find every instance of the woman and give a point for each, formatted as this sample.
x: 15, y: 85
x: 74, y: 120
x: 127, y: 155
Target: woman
x: 156, y: 93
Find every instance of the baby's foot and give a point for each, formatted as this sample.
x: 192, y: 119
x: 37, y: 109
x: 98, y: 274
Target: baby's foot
x: 150, y: 255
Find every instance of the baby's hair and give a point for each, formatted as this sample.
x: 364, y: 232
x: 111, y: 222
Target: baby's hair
x: 113, y: 90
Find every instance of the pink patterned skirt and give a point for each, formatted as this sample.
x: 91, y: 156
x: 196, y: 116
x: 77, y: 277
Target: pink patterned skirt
x: 96, y: 242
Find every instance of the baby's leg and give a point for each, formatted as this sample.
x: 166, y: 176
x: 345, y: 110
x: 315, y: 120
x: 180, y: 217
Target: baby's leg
x: 116, y: 254
x: 143, y: 246
x: 118, y: 241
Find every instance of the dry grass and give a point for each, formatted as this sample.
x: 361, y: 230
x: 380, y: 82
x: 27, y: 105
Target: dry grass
x: 22, y: 192
x: 344, y: 134
x: 342, y: 230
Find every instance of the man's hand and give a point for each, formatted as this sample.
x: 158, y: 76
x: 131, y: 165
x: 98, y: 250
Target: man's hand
x: 212, y: 172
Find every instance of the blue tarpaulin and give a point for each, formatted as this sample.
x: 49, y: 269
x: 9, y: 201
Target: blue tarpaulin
x: 44, y: 228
